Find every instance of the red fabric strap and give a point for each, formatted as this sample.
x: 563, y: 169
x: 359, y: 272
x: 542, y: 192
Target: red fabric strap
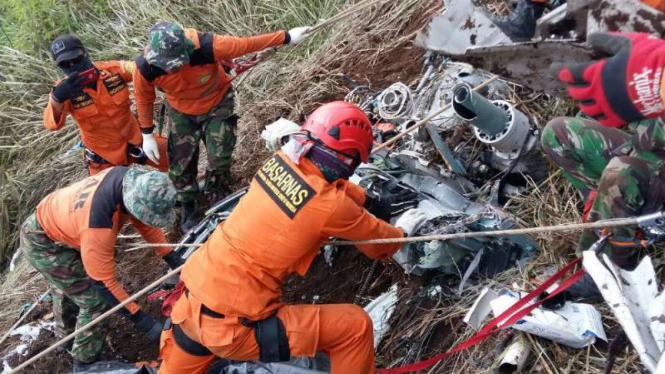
x: 508, y: 317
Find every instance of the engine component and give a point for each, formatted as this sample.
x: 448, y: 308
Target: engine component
x: 496, y: 123
x: 489, y: 118
x: 448, y: 210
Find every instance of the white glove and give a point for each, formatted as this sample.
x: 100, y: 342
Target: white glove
x: 410, y: 221
x: 298, y: 34
x: 266, y: 54
x: 150, y: 148
x: 275, y: 133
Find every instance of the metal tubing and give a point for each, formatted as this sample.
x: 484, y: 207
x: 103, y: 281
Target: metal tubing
x: 473, y: 107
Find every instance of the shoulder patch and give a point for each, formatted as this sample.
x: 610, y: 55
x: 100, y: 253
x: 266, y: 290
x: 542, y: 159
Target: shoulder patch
x: 80, y: 100
x: 114, y: 84
x: 284, y: 186
x: 128, y: 66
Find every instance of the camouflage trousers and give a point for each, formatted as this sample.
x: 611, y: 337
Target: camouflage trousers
x: 217, y: 129
x: 75, y: 301
x: 629, y: 182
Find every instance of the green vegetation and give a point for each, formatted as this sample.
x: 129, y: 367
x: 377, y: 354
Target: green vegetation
x: 30, y: 25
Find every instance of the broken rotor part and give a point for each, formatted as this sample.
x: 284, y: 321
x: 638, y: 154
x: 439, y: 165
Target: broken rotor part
x: 467, y: 33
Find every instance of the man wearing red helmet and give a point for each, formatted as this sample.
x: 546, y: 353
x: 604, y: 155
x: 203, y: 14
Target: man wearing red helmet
x: 298, y: 199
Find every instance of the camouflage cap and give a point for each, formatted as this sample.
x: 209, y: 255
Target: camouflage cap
x: 168, y: 48
x: 149, y: 195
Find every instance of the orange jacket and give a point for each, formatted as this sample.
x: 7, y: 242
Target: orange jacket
x: 277, y: 229
x: 198, y: 86
x: 88, y: 216
x: 658, y: 4
x: 104, y: 115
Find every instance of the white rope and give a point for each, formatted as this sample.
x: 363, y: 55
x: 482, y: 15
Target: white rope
x: 608, y: 223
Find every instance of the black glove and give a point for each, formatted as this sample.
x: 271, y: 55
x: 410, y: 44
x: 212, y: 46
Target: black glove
x: 68, y: 87
x: 388, y: 205
x: 147, y: 325
x: 174, y: 260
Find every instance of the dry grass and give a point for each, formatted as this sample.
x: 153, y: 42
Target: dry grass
x: 292, y: 84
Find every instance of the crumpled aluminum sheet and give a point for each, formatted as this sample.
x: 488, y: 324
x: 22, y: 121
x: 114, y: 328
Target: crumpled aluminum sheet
x: 460, y: 26
x: 116, y: 367
x: 466, y: 32
x: 319, y: 364
x: 448, y: 210
x: 630, y: 295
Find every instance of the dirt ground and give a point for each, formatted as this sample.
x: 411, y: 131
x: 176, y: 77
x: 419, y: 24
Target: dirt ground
x: 322, y: 284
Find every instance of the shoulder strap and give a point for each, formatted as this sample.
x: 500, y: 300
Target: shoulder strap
x: 149, y: 72
x: 204, y: 54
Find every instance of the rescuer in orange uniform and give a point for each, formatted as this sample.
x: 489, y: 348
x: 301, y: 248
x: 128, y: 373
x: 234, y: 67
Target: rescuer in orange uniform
x: 298, y: 199
x: 186, y: 65
x: 97, y: 96
x: 71, y: 237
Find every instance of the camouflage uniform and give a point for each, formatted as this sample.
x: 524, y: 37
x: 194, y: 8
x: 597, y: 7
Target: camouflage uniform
x: 75, y: 301
x: 217, y: 129
x: 624, y: 168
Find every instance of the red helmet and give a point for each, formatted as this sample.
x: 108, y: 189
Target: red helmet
x: 342, y: 127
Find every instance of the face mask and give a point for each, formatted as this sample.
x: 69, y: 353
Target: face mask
x: 77, y: 65
x: 332, y: 167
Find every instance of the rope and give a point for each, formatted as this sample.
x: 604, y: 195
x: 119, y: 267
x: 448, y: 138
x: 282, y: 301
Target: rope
x: 558, y: 228
x: 608, y: 223
x: 23, y: 317
x: 96, y: 320
x: 40, y: 232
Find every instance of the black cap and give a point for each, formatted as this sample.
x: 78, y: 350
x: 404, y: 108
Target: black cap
x: 66, y: 47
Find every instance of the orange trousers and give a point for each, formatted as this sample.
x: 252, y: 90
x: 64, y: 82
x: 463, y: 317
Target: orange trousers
x: 343, y: 331
x: 163, y: 165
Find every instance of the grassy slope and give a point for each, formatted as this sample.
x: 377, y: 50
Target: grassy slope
x: 368, y: 44
x: 31, y: 162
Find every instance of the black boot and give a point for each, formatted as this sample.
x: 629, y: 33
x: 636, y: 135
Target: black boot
x: 520, y: 25
x: 79, y: 366
x: 189, y: 216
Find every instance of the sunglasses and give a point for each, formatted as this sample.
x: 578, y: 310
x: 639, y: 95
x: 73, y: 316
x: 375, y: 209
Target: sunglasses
x: 71, y: 62
x: 352, y: 160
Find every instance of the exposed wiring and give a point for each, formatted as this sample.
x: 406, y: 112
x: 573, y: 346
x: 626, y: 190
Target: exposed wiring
x: 395, y: 102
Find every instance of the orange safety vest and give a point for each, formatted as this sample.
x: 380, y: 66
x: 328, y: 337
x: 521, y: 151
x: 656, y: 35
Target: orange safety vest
x: 104, y: 116
x: 277, y: 229
x: 197, y: 87
x: 658, y: 4
x: 88, y: 216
